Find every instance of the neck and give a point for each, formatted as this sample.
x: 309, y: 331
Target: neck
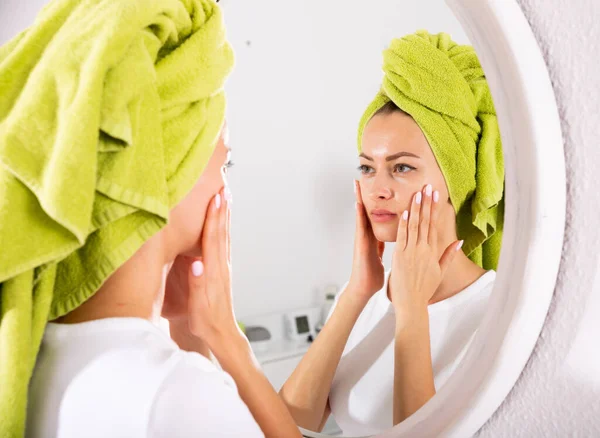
x: 136, y: 289
x: 460, y: 274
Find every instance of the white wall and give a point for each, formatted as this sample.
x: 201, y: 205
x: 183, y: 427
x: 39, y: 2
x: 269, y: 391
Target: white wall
x: 558, y: 394
x: 16, y: 15
x: 305, y: 72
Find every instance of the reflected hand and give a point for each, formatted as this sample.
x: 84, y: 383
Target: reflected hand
x: 367, y: 266
x: 417, y: 270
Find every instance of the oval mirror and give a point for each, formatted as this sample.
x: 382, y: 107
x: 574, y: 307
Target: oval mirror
x: 301, y: 85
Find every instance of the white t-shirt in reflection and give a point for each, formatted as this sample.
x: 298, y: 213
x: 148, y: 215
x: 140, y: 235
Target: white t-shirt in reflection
x: 361, y: 396
x: 124, y: 377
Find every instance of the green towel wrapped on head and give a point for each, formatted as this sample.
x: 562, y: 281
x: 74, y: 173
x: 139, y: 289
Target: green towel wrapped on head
x: 441, y: 85
x: 109, y: 112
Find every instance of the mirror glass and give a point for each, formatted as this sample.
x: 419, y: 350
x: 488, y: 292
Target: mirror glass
x: 305, y: 74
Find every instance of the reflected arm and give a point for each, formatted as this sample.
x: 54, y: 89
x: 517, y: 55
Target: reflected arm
x: 306, y: 392
x: 413, y: 370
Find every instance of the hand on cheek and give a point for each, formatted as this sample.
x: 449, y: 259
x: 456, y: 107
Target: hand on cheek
x: 210, y: 307
x: 417, y: 269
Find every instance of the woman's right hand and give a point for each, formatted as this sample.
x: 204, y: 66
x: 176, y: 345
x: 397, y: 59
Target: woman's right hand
x: 367, y: 265
x: 211, y: 318
x: 210, y: 304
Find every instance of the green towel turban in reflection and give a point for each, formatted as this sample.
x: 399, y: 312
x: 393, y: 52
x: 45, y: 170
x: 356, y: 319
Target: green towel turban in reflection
x: 442, y: 86
x: 109, y: 113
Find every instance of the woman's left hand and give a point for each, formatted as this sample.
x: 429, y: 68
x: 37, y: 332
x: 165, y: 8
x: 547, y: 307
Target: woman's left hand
x: 175, y: 304
x: 417, y: 269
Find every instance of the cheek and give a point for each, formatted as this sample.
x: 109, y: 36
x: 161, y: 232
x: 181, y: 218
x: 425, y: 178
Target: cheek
x: 203, y: 193
x: 438, y: 182
x: 405, y: 193
x: 195, y: 214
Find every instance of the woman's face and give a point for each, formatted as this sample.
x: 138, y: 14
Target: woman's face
x: 187, y: 218
x: 395, y: 163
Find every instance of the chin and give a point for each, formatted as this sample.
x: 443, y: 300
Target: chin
x: 385, y: 232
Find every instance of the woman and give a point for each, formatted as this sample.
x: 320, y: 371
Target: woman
x: 431, y: 173
x: 114, y: 160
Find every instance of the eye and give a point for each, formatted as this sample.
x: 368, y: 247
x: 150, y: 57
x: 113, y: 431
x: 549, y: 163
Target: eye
x: 228, y: 165
x: 364, y: 169
x: 403, y: 168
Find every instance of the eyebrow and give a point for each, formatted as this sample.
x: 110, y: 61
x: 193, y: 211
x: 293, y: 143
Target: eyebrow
x: 392, y: 157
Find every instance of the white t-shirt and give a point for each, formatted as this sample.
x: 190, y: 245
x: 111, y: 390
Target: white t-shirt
x: 361, y: 396
x: 124, y: 377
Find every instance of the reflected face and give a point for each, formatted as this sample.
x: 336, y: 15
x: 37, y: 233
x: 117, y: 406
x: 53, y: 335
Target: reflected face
x: 395, y: 163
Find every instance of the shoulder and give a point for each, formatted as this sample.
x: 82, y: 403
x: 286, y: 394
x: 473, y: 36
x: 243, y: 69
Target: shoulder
x: 487, y: 281
x: 197, y: 397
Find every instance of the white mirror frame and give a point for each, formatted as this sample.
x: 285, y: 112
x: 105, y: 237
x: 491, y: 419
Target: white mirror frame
x: 533, y: 228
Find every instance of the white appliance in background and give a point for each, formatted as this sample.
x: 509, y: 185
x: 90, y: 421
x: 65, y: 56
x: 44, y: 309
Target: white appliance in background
x: 300, y: 325
x: 280, y: 355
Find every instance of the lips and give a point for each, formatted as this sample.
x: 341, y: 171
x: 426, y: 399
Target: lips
x: 381, y: 215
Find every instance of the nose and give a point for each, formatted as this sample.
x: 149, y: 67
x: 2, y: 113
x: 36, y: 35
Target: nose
x: 380, y: 188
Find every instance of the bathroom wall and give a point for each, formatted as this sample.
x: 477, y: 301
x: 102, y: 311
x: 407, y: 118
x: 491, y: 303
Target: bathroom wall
x: 16, y: 15
x: 558, y: 394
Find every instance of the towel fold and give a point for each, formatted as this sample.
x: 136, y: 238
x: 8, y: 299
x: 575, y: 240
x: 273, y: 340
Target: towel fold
x: 442, y: 86
x: 109, y: 112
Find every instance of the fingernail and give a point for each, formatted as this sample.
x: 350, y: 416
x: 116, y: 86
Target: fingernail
x: 460, y: 244
x: 227, y: 195
x: 218, y: 201
x: 436, y: 196
x: 405, y: 215
x: 354, y: 187
x: 428, y: 189
x: 197, y: 268
x: 418, y: 198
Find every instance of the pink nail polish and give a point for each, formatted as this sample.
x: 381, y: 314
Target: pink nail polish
x: 405, y: 215
x: 418, y: 198
x: 436, y: 196
x: 218, y: 201
x: 227, y: 195
x: 197, y: 268
x: 460, y: 244
x: 428, y: 189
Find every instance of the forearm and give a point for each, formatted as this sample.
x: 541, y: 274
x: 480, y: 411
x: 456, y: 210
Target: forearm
x: 307, y: 390
x: 271, y: 414
x: 413, y: 371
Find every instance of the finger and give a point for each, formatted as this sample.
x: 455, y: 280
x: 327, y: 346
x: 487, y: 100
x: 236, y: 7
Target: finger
x: 357, y: 191
x: 425, y: 214
x: 361, y: 220
x: 380, y: 248
x: 197, y: 301
x: 433, y: 221
x: 449, y: 255
x: 210, y: 236
x: 228, y: 232
x: 223, y: 234
x: 401, y: 236
x: 413, y: 220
